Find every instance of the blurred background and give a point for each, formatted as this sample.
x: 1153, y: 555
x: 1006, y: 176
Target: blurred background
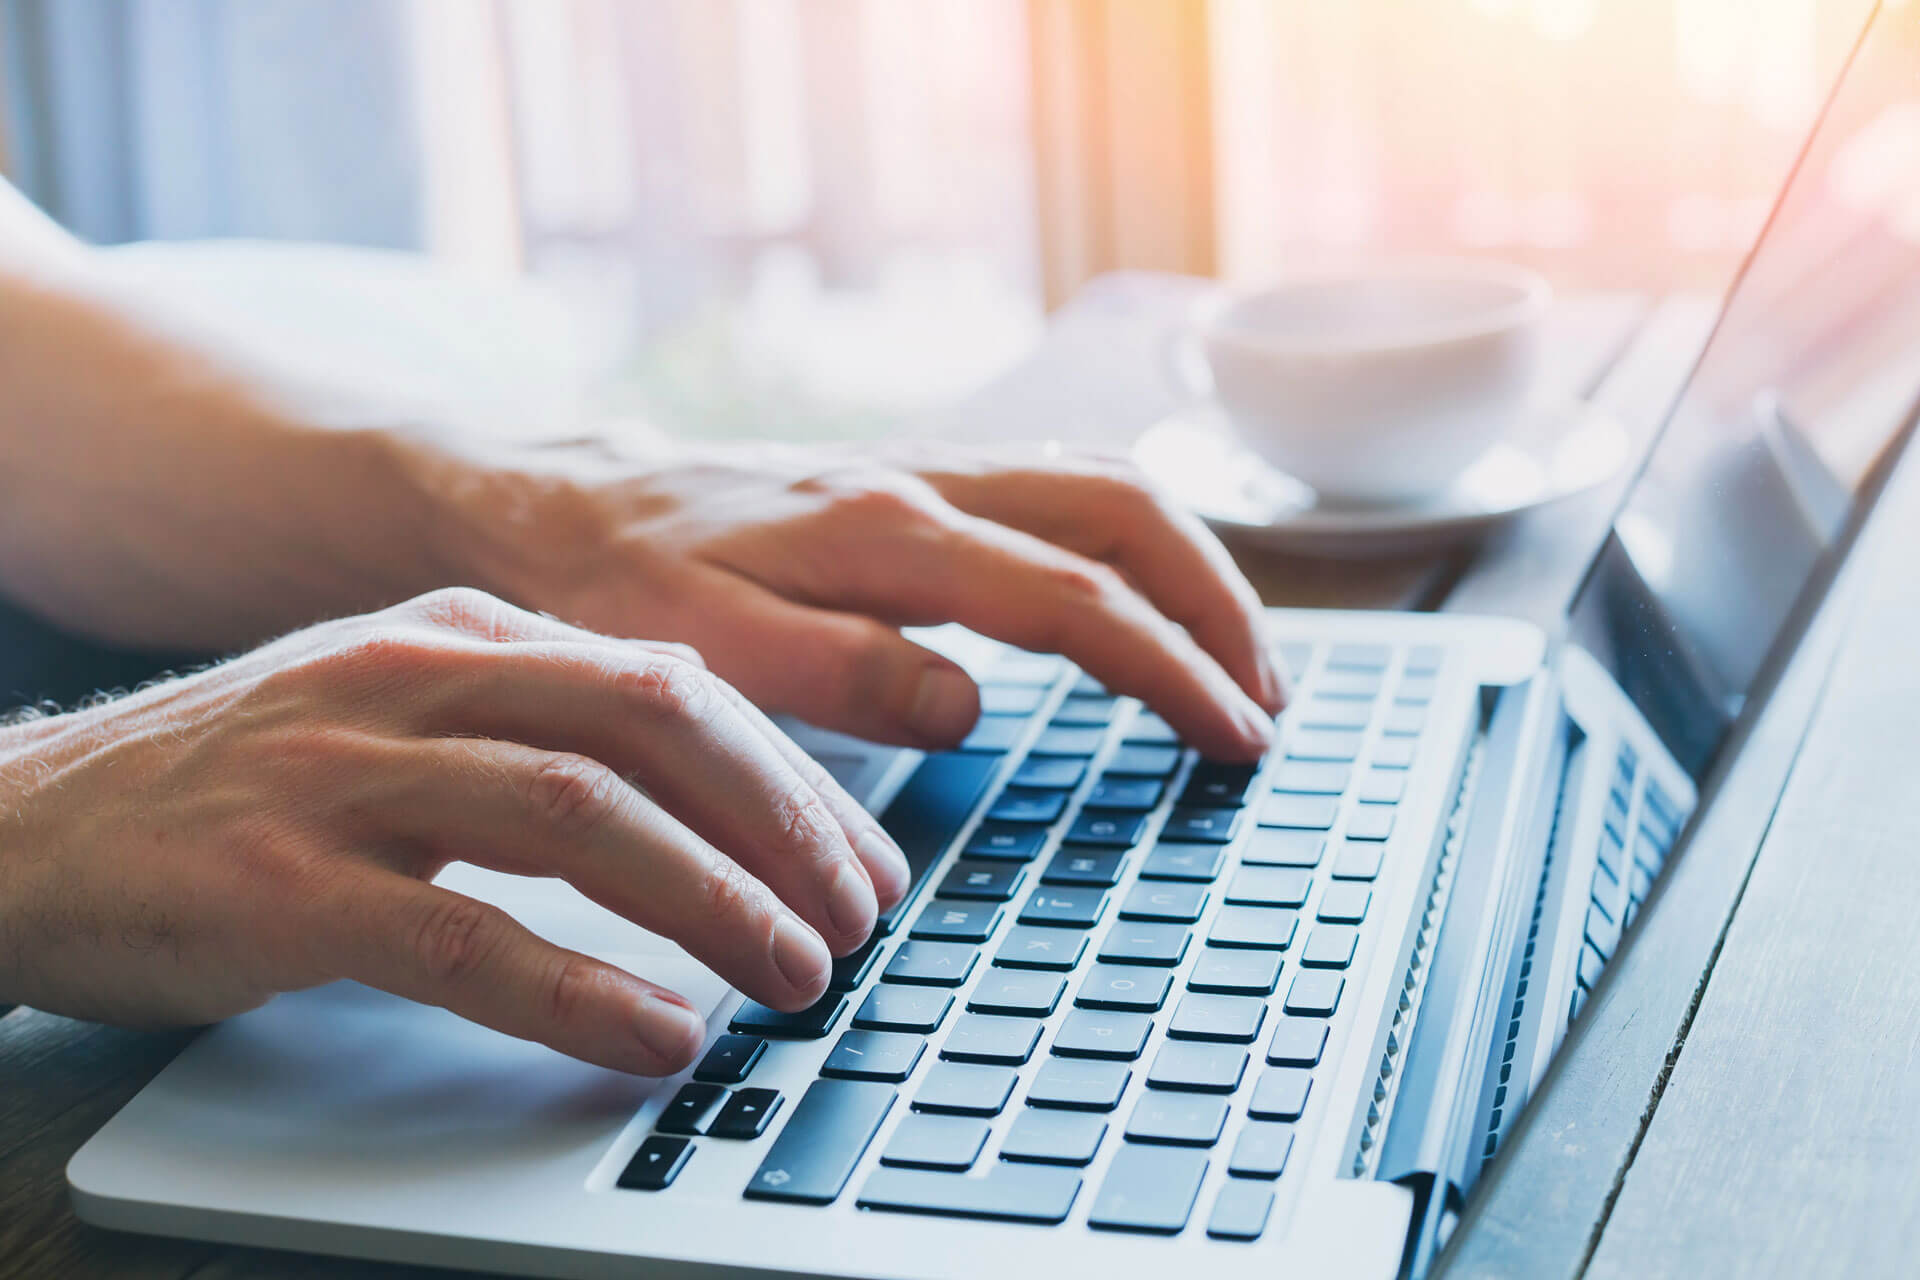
x: 810, y: 218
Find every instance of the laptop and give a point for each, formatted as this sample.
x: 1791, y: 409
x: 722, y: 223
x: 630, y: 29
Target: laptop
x: 1146, y: 1013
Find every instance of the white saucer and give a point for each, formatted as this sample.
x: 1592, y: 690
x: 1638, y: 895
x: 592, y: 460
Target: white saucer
x: 1568, y: 448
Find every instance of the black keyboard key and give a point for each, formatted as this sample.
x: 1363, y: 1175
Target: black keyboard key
x: 930, y: 964
x: 1075, y: 865
x: 1177, y: 1119
x: 1008, y: 1193
x: 1315, y: 993
x: 1239, y: 973
x: 888, y: 1056
x: 1019, y: 993
x: 1280, y: 1093
x: 1358, y: 860
x: 1035, y: 808
x: 1125, y: 987
x: 1591, y: 963
x: 887, y: 1007
x: 1345, y: 903
x: 982, y: 881
x: 936, y: 1142
x: 1214, y: 785
x: 1011, y: 699
x: 1172, y: 901
x: 1031, y: 947
x: 1138, y: 761
x: 1100, y: 1033
x: 810, y: 1023
x: 1067, y: 740
x: 1127, y: 795
x: 1300, y: 812
x: 1240, y: 1210
x: 1086, y: 710
x: 1270, y: 887
x: 656, y: 1164
x: 729, y: 1059
x: 746, y: 1115
x: 1015, y: 844
x: 1079, y: 1084
x: 929, y: 811
x: 822, y: 1141
x: 1054, y: 1137
x: 1107, y: 830
x: 1052, y: 772
x: 1065, y: 906
x: 1254, y: 928
x: 1312, y: 777
x: 1330, y: 746
x: 1196, y: 862
x: 1197, y: 1068
x: 692, y: 1108
x: 1297, y: 1042
x: 946, y: 921
x: 1145, y: 943
x: 1148, y: 1189
x: 1229, y: 1019
x: 1603, y: 935
x: 965, y: 1089
x: 994, y: 734
x: 979, y: 1037
x: 850, y: 970
x: 1274, y: 847
x: 1330, y: 946
x: 1261, y: 1150
x: 1202, y: 826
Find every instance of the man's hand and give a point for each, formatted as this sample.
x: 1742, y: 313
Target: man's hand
x: 792, y: 571
x: 184, y: 853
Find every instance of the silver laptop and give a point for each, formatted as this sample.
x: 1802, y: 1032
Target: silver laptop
x: 1147, y: 1014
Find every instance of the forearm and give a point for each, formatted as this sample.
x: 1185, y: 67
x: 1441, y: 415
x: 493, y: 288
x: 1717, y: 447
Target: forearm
x: 157, y: 492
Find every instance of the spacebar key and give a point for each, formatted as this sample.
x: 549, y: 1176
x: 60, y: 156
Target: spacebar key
x: 1009, y: 1192
x: 824, y: 1139
x: 929, y: 811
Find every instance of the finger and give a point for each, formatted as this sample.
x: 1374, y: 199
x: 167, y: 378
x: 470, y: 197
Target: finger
x: 442, y: 948
x: 842, y: 671
x: 1028, y: 592
x: 501, y: 804
x: 1108, y: 512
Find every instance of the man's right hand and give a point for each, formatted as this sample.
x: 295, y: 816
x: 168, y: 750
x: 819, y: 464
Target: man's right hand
x: 184, y: 853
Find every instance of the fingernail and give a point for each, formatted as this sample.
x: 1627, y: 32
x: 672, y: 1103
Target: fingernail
x: 850, y: 901
x: 672, y: 1031
x: 886, y: 864
x: 800, y: 955
x: 945, y: 705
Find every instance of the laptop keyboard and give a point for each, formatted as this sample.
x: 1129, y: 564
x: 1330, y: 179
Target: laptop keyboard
x: 1191, y: 923
x: 1621, y: 882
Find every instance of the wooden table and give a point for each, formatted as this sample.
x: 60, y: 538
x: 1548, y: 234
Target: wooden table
x: 1742, y: 1096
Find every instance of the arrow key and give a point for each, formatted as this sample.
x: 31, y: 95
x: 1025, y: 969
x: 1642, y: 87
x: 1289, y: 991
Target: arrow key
x: 657, y: 1163
x: 746, y: 1114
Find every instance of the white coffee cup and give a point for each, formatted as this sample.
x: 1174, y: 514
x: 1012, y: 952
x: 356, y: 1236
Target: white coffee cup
x: 1373, y: 386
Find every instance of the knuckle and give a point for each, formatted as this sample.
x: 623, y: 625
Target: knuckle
x: 803, y: 821
x: 729, y: 895
x: 669, y: 686
x: 382, y: 656
x: 573, y: 794
x: 571, y: 988
x: 463, y: 608
x: 454, y: 939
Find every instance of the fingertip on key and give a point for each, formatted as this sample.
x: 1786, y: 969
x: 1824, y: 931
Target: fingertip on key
x: 851, y: 902
x: 670, y: 1030
x: 945, y: 705
x: 802, y: 958
x: 885, y: 864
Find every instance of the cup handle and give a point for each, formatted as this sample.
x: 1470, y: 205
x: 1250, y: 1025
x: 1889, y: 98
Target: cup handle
x: 1184, y: 365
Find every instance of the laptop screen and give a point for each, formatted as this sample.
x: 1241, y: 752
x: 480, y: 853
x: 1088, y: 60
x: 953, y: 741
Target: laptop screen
x: 1798, y: 401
